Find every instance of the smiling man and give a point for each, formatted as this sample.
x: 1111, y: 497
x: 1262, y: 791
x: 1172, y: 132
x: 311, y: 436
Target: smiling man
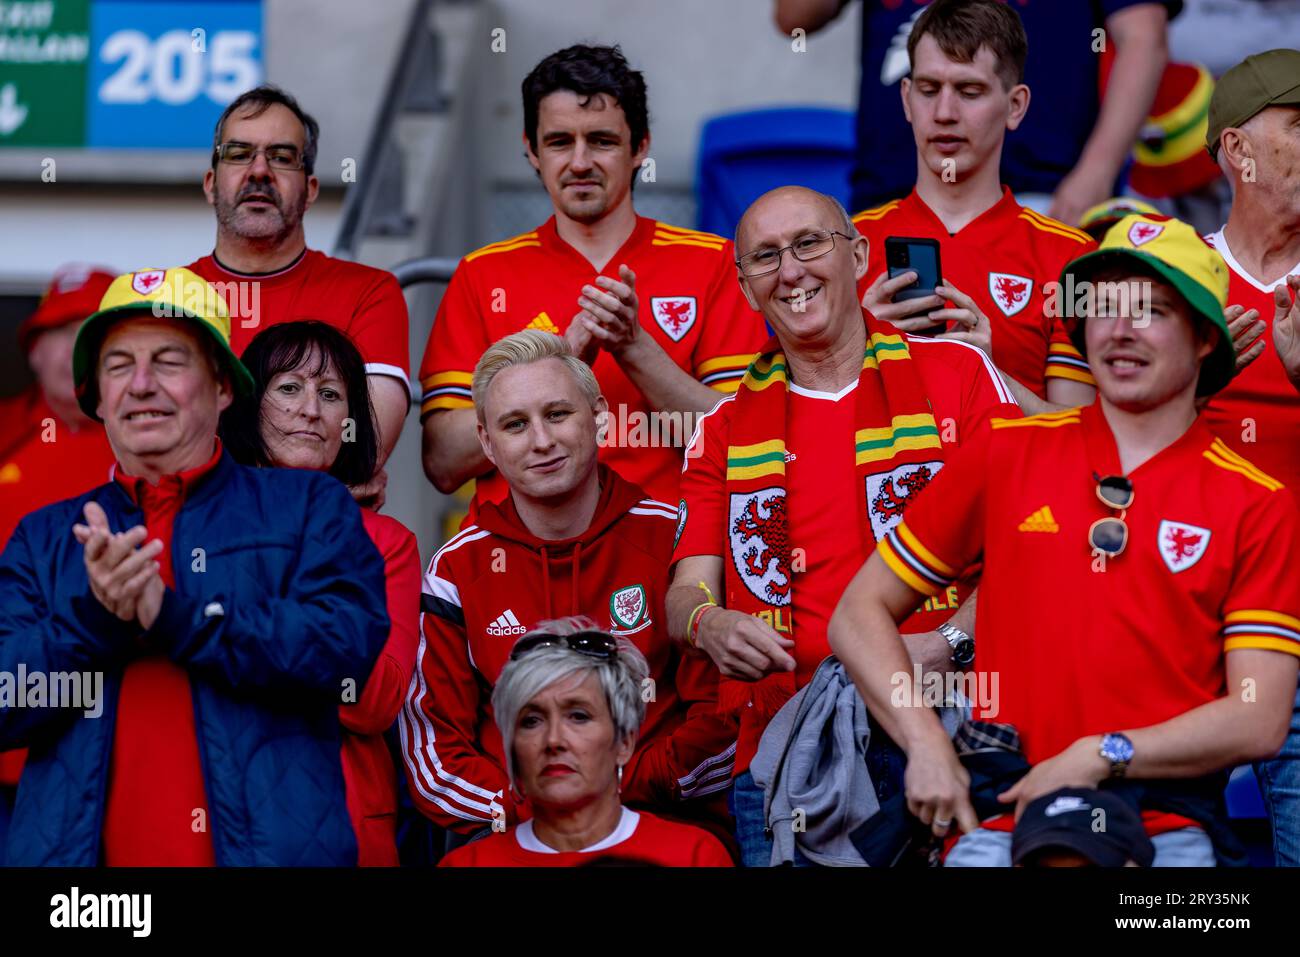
x: 571, y: 538
x: 1133, y: 601
x: 964, y: 93
x: 838, y: 424
x: 227, y: 607
x: 261, y: 184
x: 651, y: 307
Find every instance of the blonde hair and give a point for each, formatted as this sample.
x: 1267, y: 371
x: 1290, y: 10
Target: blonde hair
x: 524, y: 348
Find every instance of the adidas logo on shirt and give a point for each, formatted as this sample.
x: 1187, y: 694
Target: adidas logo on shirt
x: 506, y: 624
x: 543, y: 322
x: 1040, y: 521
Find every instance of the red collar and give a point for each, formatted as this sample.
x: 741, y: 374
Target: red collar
x: 1005, y: 208
x: 551, y: 241
x: 181, y: 483
x: 273, y: 274
x: 1103, y: 453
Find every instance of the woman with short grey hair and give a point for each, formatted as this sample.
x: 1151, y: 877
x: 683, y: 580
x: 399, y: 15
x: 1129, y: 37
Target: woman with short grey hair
x: 568, y: 705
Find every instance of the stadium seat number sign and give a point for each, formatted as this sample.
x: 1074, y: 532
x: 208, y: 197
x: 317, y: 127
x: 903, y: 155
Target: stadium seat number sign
x: 136, y: 74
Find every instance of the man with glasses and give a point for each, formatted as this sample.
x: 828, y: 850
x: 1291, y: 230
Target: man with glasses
x: 651, y: 307
x: 788, y: 484
x: 1137, y: 600
x: 261, y: 184
x: 572, y: 538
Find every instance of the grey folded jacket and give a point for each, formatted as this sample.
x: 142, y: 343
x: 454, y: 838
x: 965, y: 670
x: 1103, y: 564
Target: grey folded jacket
x: 812, y: 766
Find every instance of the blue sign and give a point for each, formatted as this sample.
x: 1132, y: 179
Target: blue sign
x: 161, y: 73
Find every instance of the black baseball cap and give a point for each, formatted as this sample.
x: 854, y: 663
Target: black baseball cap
x: 1100, y: 826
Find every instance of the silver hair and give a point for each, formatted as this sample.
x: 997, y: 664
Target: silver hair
x: 621, y: 678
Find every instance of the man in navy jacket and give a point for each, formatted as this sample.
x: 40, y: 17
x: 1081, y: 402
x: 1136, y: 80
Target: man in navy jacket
x: 176, y: 642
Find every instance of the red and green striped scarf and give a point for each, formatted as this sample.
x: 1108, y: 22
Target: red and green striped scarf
x: 897, y: 450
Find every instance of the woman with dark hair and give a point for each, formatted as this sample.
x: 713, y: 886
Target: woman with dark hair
x: 311, y: 410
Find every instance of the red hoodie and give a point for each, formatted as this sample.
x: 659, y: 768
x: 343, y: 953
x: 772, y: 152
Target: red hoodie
x: 492, y: 583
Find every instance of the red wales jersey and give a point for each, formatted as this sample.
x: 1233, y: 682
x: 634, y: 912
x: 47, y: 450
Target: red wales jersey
x: 362, y: 301
x: 964, y: 392
x: 690, y: 302
x: 1258, y: 414
x: 1003, y: 259
x: 1085, y: 644
x: 42, y: 460
x: 640, y: 838
x: 492, y: 583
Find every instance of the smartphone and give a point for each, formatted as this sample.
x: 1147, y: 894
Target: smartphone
x: 904, y: 254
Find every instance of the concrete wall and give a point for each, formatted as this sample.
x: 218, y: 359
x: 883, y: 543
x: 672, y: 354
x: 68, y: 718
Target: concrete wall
x: 699, y: 57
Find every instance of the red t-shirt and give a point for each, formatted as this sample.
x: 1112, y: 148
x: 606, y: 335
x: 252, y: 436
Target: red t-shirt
x: 1003, y: 259
x: 1258, y: 414
x: 690, y: 302
x: 157, y: 809
x: 1081, y: 648
x: 362, y: 301
x: 639, y: 839
x: 964, y: 392
x: 43, y: 460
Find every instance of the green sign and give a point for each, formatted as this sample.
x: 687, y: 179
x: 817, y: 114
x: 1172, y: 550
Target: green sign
x: 44, y: 55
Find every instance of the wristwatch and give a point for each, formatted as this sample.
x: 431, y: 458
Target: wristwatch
x: 962, y: 644
x: 1118, y: 750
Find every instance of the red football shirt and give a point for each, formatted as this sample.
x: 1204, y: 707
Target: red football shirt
x: 964, y: 392
x: 43, y: 460
x: 1082, y: 645
x: 639, y: 839
x: 156, y: 813
x: 690, y: 301
x: 1258, y: 414
x: 362, y: 301
x: 1003, y: 259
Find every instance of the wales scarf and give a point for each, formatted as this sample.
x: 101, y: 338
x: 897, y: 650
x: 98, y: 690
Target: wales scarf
x: 896, y: 452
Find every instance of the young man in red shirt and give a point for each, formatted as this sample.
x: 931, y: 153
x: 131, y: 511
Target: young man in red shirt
x: 1132, y: 601
x: 997, y: 258
x: 653, y: 308
x: 789, y: 484
x: 261, y: 184
x: 1254, y: 114
x: 572, y: 538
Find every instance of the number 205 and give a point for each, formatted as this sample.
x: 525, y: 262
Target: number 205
x: 173, y: 68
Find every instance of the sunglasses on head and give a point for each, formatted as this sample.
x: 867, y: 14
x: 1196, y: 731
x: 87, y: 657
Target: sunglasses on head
x: 594, y: 644
x: 1110, y: 535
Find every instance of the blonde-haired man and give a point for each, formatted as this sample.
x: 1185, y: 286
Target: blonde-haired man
x: 571, y: 538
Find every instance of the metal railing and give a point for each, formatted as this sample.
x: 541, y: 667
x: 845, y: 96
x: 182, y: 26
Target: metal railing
x: 375, y: 203
x: 424, y: 269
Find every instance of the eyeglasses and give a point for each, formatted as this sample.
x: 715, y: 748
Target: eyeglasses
x: 1110, y: 535
x: 809, y: 246
x: 277, y: 157
x: 594, y: 644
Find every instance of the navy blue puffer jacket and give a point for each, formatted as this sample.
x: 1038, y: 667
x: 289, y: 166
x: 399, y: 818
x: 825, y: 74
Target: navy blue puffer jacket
x: 283, y: 605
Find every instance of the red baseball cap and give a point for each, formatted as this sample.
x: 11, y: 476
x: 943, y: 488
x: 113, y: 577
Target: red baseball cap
x: 74, y: 293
